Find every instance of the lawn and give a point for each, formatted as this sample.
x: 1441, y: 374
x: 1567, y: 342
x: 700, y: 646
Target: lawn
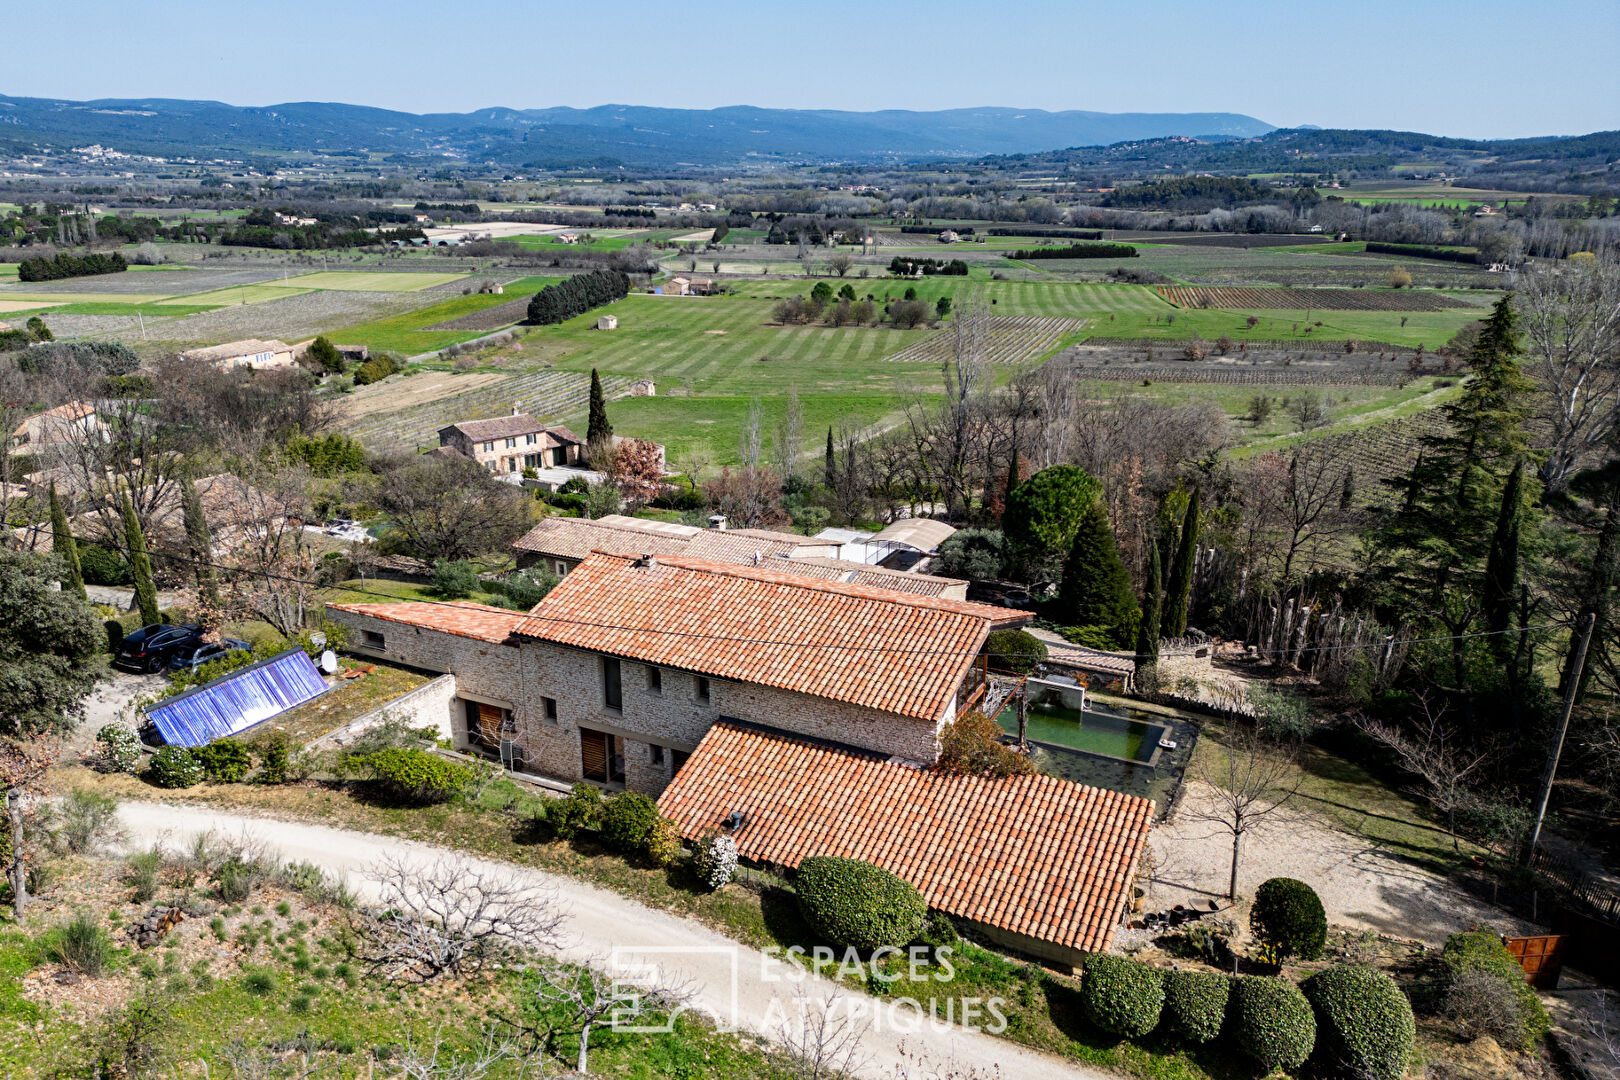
x: 373, y: 281
x: 596, y: 243
x: 242, y: 294
x: 1431, y: 329
x: 1078, y: 299
x: 383, y: 591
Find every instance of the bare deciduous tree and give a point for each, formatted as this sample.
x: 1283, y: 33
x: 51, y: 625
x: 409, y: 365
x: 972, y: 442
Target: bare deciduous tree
x: 23, y: 767
x: 841, y: 262
x: 789, y: 435
x: 434, y: 1060
x: 454, y: 915
x: 1429, y: 753
x: 591, y: 996
x: 822, y: 1039
x: 1248, y: 784
x: 1570, y: 314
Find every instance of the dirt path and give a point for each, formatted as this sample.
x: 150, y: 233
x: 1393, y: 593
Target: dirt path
x: 1361, y: 884
x: 735, y: 984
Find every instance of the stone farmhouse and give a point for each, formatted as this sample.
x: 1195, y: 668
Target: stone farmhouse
x: 800, y: 713
x: 63, y: 424
x: 249, y: 353
x: 510, y: 444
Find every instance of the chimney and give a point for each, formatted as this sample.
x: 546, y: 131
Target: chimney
x: 646, y: 562
x: 515, y: 410
x: 717, y: 521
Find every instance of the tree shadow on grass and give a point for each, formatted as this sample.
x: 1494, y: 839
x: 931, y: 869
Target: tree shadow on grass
x: 780, y: 908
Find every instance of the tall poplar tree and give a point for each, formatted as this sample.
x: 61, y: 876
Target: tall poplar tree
x: 140, y: 566
x: 1178, y: 592
x: 67, y: 549
x: 830, y: 463
x: 1147, y: 635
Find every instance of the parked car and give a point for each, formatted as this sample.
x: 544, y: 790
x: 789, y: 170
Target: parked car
x: 150, y: 647
x: 189, y: 657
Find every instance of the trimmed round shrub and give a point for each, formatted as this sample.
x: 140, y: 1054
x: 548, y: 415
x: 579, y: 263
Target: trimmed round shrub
x: 850, y: 902
x: 225, y: 760
x: 1288, y: 917
x: 417, y: 776
x: 1364, y: 1025
x: 1195, y: 1003
x: 627, y: 819
x: 175, y: 767
x: 1120, y: 996
x: 1272, y: 1022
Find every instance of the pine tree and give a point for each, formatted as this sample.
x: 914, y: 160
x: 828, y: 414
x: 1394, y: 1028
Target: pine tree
x: 67, y: 549
x: 599, y: 431
x: 200, y: 542
x: 830, y: 464
x: 140, y: 565
x: 1178, y: 592
x: 1147, y: 637
x: 1096, y: 589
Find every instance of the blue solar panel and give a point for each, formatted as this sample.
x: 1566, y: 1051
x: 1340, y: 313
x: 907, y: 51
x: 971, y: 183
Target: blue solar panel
x: 235, y: 702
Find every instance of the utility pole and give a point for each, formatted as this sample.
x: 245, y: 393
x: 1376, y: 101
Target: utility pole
x: 1558, y: 740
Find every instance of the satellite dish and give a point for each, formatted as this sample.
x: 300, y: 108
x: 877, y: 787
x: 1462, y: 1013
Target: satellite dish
x: 328, y: 662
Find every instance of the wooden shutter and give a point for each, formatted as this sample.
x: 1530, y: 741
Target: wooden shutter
x: 489, y: 724
x: 593, y: 755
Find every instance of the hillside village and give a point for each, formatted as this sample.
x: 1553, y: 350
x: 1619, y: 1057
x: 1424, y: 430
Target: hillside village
x: 716, y: 610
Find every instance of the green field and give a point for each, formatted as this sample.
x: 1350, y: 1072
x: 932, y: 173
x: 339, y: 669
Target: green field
x: 404, y: 334
x: 1043, y: 298
x: 364, y: 281
x: 596, y: 243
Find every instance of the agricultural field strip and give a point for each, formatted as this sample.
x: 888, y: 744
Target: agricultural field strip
x: 1009, y: 339
x: 373, y: 281
x: 1250, y: 299
x: 1192, y: 373
x: 544, y: 394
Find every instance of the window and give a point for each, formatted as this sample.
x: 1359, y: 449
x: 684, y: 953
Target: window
x: 677, y: 758
x: 655, y: 680
x: 511, y: 444
x: 655, y: 753
x: 511, y: 464
x: 562, y: 568
x: 375, y: 640
x: 550, y: 705
x: 601, y: 756
x: 702, y: 690
x: 532, y: 461
x: 528, y: 440
x: 559, y: 456
x: 486, y: 724
x: 490, y: 446
x: 612, y: 689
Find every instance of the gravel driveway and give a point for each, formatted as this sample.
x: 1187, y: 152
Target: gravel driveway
x: 731, y: 980
x: 1361, y: 884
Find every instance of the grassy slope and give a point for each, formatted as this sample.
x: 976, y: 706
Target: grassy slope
x: 404, y: 334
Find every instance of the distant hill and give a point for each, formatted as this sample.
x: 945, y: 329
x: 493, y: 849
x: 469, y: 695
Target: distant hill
x: 1575, y: 163
x: 628, y: 134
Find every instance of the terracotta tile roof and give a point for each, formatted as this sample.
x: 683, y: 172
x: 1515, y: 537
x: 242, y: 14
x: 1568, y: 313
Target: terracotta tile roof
x: 69, y: 413
x: 1035, y: 855
x: 877, y: 648
x: 861, y: 574
x: 463, y: 618
x: 575, y: 538
x: 741, y: 545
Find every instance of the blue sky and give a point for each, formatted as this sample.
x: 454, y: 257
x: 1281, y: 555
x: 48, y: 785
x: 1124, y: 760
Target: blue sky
x: 1484, y: 69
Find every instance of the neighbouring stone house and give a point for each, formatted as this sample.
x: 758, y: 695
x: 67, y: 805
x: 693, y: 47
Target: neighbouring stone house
x: 248, y: 353
x: 510, y: 444
x: 63, y: 424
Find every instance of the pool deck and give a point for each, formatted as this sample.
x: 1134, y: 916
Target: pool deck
x: 1139, y: 705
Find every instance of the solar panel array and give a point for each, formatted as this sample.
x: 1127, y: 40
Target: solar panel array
x: 235, y: 702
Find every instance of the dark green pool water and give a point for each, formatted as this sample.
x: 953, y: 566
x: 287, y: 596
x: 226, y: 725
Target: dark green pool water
x: 1092, y: 732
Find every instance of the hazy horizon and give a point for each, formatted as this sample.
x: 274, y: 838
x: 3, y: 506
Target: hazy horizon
x: 1278, y: 62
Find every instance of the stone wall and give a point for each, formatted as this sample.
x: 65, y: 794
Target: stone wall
x: 433, y: 703
x: 483, y: 670
x: 673, y: 718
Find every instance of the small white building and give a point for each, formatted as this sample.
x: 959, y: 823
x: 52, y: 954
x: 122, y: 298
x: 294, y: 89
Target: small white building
x: 607, y: 322
x: 948, y: 236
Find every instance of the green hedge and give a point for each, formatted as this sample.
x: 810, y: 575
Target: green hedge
x: 1195, y: 1004
x: 627, y: 820
x: 416, y: 775
x: 175, y: 767
x: 1272, y: 1022
x: 1120, y: 996
x: 1482, y: 951
x: 1288, y: 916
x: 1364, y: 1024
x: 850, y: 902
x: 225, y: 760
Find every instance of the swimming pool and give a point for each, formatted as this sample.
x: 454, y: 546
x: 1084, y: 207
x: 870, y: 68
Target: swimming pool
x: 1104, y: 734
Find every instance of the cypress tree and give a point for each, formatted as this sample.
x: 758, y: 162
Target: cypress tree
x: 1096, y: 589
x: 830, y: 464
x: 66, y: 548
x: 200, y: 542
x: 1012, y: 479
x: 1179, y: 590
x: 599, y: 431
x: 140, y: 565
x: 1147, y: 636
x: 1502, y: 563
